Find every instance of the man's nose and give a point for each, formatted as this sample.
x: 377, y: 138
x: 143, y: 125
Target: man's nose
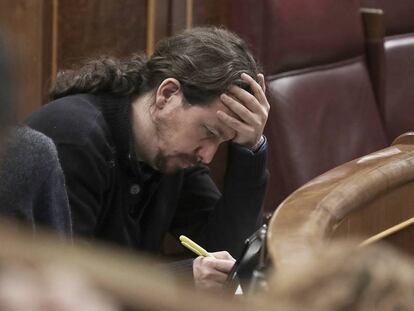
x: 207, y: 151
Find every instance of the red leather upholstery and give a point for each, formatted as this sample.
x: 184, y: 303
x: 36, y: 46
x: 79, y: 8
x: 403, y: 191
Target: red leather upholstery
x: 323, y: 108
x: 399, y: 90
x: 299, y: 34
x: 247, y: 20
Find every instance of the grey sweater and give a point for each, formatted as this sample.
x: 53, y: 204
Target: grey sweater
x: 32, y: 187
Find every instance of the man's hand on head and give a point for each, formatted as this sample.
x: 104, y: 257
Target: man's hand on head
x: 211, y: 272
x: 252, y: 111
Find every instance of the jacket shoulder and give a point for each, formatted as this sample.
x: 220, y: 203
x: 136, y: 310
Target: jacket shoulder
x: 70, y: 120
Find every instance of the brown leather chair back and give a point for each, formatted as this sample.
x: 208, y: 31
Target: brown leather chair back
x: 358, y: 200
x: 323, y: 110
x: 398, y: 72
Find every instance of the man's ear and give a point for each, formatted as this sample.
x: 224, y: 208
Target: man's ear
x: 168, y: 88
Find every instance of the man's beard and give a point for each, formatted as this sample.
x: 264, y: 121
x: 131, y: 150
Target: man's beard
x: 162, y: 162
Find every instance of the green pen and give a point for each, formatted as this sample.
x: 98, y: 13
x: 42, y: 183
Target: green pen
x: 194, y: 247
x: 198, y: 250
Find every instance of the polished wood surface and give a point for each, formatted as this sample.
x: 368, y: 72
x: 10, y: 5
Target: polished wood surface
x: 388, y: 232
x: 404, y: 139
x: 356, y: 200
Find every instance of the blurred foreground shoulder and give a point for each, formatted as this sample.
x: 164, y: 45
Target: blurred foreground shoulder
x: 32, y: 185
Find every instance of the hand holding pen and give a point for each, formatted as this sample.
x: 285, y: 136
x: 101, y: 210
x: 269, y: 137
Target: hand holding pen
x: 210, y: 270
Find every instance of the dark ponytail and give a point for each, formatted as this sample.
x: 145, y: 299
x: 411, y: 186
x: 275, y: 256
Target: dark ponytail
x: 206, y: 61
x: 103, y: 75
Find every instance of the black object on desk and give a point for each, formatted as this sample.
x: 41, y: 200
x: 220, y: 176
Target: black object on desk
x: 251, y: 261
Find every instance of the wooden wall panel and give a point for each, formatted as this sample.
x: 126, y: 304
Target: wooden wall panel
x: 178, y: 15
x: 210, y: 12
x: 57, y: 34
x: 27, y: 24
x: 88, y: 28
x: 162, y: 19
x: 170, y: 17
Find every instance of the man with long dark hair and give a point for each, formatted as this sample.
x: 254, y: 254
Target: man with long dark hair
x: 133, y: 136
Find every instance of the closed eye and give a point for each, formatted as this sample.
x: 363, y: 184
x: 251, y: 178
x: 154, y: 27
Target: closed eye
x: 210, y: 132
x: 216, y: 133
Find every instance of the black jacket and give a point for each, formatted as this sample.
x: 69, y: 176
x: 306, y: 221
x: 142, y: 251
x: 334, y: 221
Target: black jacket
x: 115, y: 198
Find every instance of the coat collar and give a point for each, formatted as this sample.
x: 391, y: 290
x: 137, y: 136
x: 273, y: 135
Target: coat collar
x: 117, y: 113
